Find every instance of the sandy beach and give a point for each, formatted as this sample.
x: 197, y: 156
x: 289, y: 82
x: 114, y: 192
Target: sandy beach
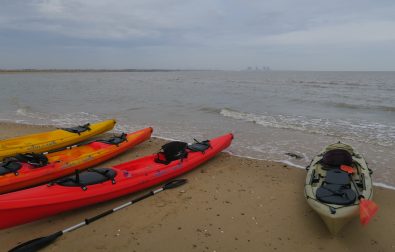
x: 229, y: 204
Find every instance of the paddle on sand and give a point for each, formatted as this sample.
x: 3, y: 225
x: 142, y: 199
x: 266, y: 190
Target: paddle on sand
x: 38, y: 243
x: 367, y: 208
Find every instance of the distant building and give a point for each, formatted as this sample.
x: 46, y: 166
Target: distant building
x: 257, y: 69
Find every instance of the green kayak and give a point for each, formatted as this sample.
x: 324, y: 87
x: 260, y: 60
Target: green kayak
x: 330, y: 191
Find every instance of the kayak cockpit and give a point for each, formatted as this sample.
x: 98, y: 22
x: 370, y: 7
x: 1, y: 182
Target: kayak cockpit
x: 10, y: 167
x: 88, y: 177
x: 179, y: 150
x: 336, y: 189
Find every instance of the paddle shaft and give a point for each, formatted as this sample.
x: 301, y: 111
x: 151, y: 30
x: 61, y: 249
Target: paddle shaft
x: 356, y: 188
x: 367, y: 208
x: 38, y: 243
x: 99, y: 216
x: 350, y: 172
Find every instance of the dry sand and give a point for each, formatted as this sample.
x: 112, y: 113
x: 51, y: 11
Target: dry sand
x: 229, y: 204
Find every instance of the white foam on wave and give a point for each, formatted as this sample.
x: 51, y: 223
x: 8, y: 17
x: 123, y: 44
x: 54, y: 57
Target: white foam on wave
x: 383, y: 185
x: 26, y: 115
x: 365, y: 132
x: 298, y: 123
x: 287, y: 162
x: 165, y: 138
x: 21, y: 111
x: 75, y: 118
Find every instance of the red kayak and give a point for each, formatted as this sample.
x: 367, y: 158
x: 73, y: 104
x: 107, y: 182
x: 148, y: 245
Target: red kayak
x: 102, y: 184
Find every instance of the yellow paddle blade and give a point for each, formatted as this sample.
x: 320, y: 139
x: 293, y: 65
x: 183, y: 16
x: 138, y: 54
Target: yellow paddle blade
x: 367, y: 209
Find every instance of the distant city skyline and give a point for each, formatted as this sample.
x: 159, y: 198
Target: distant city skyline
x: 355, y: 35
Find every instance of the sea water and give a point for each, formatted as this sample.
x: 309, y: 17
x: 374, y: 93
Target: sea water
x: 271, y: 113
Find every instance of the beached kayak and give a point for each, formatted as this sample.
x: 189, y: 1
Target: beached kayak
x: 102, y: 184
x: 51, y: 140
x: 330, y: 191
x: 32, y: 169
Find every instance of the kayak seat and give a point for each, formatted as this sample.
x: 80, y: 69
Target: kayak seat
x: 78, y: 129
x: 336, y: 189
x: 88, y: 177
x: 337, y: 177
x: 337, y: 157
x: 114, y: 140
x: 336, y: 194
x: 9, y: 167
x: 199, y: 146
x: 172, y: 151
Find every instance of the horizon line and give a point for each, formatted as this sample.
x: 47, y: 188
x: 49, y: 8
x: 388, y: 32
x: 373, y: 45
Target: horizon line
x: 59, y: 70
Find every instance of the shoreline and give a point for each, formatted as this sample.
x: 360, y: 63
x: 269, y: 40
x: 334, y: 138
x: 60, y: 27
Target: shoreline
x: 237, y: 204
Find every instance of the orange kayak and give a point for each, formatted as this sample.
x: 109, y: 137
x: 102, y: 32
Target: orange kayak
x: 31, y: 169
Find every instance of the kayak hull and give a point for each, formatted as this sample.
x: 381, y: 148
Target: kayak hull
x: 334, y: 222
x: 43, y: 201
x: 46, y: 141
x: 336, y: 216
x: 65, y: 162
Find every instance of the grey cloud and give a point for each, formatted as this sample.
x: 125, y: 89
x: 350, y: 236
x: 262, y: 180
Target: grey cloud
x: 218, y: 30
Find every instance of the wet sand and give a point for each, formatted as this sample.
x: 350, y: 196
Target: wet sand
x: 229, y: 204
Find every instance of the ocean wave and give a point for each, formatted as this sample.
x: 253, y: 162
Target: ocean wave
x: 210, y: 110
x: 26, y: 112
x: 346, y: 105
x: 279, y: 121
x: 361, y: 107
x: 315, y: 83
x: 134, y: 108
x: 331, y: 83
x: 366, y: 132
x: 384, y: 185
x: 75, y: 118
x: 27, y: 115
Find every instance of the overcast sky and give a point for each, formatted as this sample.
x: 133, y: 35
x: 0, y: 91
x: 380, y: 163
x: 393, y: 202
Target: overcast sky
x: 200, y: 34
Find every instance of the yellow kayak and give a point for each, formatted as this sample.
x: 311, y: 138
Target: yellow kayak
x: 51, y: 140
